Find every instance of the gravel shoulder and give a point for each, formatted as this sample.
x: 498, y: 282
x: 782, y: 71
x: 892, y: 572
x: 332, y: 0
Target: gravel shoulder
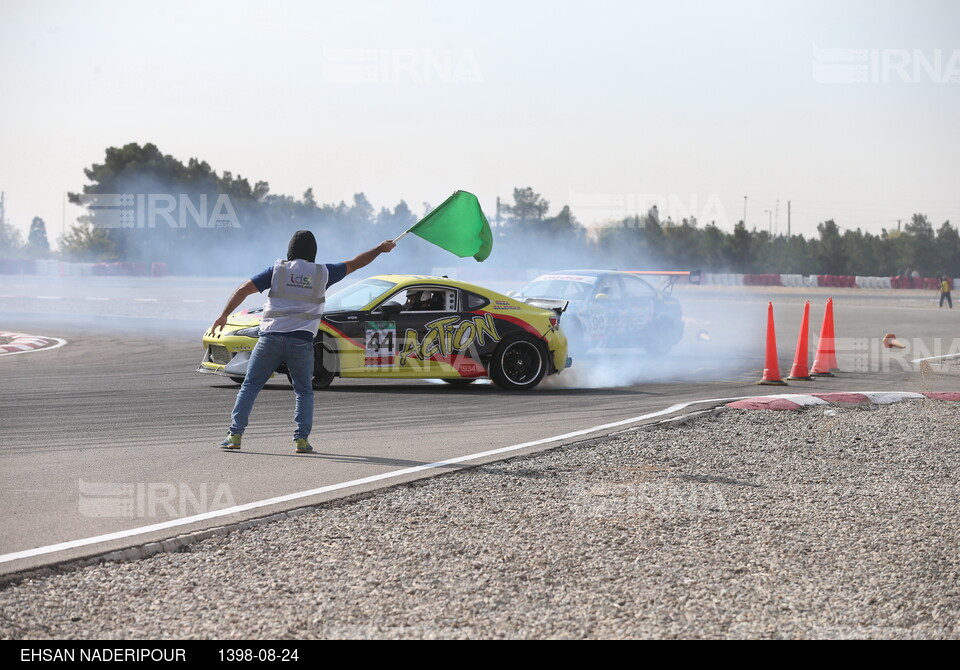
x: 745, y: 524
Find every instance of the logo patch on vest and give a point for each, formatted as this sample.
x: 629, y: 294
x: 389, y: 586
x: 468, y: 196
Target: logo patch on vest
x: 300, y: 281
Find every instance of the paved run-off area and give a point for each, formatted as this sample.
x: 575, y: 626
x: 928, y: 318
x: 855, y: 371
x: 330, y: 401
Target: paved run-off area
x: 746, y: 524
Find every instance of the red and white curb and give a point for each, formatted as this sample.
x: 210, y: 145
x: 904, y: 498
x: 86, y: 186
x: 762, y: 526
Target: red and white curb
x: 790, y: 401
x: 21, y: 343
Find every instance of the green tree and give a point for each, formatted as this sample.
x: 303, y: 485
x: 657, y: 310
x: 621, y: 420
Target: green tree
x: 762, y: 253
x: 527, y: 210
x: 948, y: 250
x: 711, y: 248
x: 144, y: 174
x: 796, y: 257
x: 617, y: 245
x: 653, y: 237
x: 860, y: 251
x: 737, y: 248
x: 830, y: 258
x: 921, y: 245
x: 564, y: 231
x: 37, y: 242
x: 895, y: 251
x: 391, y: 224
x: 680, y: 245
x: 362, y: 211
x: 86, y: 243
x: 11, y: 244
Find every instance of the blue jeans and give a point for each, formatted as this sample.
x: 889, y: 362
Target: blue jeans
x: 271, y: 350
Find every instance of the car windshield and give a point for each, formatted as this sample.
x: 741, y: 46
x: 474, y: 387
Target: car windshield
x: 359, y: 295
x: 559, y: 287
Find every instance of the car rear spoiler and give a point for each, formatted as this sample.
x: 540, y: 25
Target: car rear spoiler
x: 671, y: 277
x: 556, y: 305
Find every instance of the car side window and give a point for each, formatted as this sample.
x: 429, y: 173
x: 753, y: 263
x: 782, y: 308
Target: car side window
x: 559, y: 288
x: 474, y: 302
x: 425, y: 299
x: 637, y: 288
x: 572, y: 290
x: 608, y: 288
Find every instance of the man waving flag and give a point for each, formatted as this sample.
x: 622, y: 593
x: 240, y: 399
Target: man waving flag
x: 458, y: 225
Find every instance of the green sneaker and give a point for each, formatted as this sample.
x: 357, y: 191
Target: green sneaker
x: 303, y: 447
x: 232, y: 442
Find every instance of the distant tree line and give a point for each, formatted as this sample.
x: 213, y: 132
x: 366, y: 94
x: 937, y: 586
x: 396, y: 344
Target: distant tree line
x: 251, y: 225
x: 834, y: 251
x: 13, y: 246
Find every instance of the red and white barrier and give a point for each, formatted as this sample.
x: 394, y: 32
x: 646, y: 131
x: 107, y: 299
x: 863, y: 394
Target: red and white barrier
x: 825, y: 281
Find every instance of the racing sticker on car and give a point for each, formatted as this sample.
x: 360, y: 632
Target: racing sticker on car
x: 381, y: 344
x: 448, y: 335
x: 503, y: 304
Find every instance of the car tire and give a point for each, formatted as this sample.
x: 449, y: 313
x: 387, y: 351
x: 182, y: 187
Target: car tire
x: 519, y: 363
x: 326, y: 365
x: 236, y: 380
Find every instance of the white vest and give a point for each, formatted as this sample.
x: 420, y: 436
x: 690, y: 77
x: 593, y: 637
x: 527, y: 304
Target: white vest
x: 296, y: 297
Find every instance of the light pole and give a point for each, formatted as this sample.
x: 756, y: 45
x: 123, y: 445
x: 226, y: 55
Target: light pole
x: 744, y: 211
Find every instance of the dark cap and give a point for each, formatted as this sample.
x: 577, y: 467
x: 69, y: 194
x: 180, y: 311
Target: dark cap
x: 302, y: 245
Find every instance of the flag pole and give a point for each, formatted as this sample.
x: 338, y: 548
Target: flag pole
x: 401, y: 235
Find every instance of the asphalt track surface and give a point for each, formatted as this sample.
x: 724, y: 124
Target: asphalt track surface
x: 115, y: 432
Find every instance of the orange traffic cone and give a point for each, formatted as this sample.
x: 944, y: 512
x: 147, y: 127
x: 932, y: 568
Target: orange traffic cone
x: 832, y: 353
x: 799, y: 371
x: 771, y: 373
x: 826, y: 358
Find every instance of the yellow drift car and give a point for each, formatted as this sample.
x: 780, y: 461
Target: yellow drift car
x: 413, y: 327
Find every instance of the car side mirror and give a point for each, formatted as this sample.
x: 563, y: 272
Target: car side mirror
x: 391, y: 308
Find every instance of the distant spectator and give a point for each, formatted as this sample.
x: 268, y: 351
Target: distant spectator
x: 945, y: 291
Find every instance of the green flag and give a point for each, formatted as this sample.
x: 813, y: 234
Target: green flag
x: 459, y: 226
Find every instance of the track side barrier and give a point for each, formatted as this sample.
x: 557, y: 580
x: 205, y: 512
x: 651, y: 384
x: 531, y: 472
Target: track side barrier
x: 823, y: 281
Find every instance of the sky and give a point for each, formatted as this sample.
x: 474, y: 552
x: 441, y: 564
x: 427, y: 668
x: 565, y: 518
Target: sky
x: 847, y: 110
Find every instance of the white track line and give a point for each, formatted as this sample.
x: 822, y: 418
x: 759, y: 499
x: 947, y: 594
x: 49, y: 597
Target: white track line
x: 173, y: 523
x: 935, y: 358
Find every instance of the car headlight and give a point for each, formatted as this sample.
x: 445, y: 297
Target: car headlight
x: 248, y: 332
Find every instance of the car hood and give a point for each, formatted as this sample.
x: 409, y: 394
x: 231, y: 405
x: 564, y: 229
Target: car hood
x: 246, y: 318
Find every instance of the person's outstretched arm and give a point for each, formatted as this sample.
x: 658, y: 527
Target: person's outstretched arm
x: 245, y: 289
x: 364, y: 259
